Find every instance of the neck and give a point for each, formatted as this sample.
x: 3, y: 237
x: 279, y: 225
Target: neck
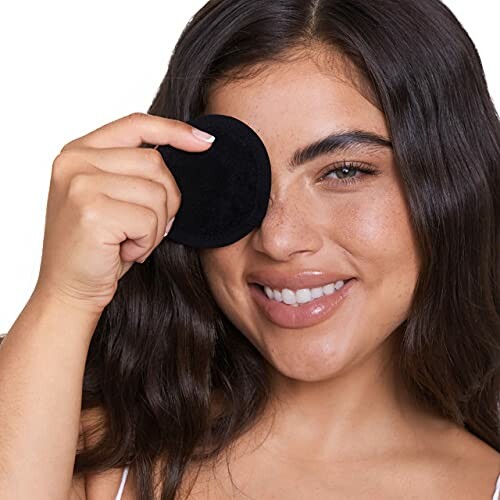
x: 361, y: 412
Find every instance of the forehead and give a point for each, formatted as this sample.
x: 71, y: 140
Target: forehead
x: 297, y: 101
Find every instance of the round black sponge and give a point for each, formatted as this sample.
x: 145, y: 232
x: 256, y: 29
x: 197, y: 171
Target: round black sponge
x: 225, y: 190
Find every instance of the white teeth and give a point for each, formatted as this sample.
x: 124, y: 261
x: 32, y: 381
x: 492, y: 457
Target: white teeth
x: 303, y: 295
x: 288, y: 296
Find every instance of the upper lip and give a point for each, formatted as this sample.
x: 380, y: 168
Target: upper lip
x: 295, y: 281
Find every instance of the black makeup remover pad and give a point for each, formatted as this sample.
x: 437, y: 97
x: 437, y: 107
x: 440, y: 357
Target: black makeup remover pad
x: 225, y: 190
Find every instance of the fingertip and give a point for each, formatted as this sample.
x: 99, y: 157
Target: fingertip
x: 202, y: 136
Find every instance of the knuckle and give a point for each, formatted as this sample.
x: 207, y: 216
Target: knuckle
x: 152, y: 221
x: 60, y: 164
x: 171, y: 182
x: 154, y: 157
x: 173, y: 204
x: 178, y: 123
x: 90, y: 212
x: 177, y: 195
x: 180, y: 127
x: 60, y: 159
x: 57, y: 165
x: 78, y: 185
x: 135, y: 117
x: 69, y: 146
x: 162, y: 194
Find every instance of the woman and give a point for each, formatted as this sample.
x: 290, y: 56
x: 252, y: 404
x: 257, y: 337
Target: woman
x: 194, y: 381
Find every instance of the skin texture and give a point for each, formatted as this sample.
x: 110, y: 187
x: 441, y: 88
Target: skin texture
x: 338, y: 407
x: 327, y: 374
x: 339, y: 425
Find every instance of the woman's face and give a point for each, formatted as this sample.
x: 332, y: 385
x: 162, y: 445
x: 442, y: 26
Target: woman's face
x: 358, y: 229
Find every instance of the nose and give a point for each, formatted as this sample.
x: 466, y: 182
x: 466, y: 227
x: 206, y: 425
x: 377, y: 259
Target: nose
x: 288, y: 228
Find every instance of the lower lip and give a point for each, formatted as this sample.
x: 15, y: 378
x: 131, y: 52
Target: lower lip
x: 309, y: 314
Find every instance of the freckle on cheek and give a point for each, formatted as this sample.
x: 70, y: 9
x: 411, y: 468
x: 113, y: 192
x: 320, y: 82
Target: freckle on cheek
x: 369, y: 229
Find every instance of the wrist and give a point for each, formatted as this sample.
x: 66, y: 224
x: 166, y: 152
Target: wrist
x: 66, y: 306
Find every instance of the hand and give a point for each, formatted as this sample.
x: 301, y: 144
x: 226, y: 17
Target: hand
x: 109, y: 204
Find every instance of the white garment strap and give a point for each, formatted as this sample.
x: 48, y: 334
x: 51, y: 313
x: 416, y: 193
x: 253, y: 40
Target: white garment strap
x: 122, y: 484
x: 496, y: 495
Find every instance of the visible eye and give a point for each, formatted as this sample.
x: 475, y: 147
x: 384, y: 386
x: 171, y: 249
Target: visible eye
x: 346, y: 173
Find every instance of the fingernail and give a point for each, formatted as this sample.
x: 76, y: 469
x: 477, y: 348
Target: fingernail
x: 199, y: 134
x: 169, y: 226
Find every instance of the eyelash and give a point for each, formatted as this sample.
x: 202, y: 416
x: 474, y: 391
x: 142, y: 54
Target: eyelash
x: 360, y: 167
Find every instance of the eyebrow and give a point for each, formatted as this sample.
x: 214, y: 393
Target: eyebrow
x: 338, y: 142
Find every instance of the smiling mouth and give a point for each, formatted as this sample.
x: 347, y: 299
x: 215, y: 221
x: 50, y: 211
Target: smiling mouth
x: 297, y: 304
x: 304, y: 315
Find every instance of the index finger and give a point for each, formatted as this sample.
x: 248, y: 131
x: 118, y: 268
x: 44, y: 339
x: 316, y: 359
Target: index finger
x: 139, y: 128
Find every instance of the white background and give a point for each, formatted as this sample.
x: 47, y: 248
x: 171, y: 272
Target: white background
x: 69, y: 67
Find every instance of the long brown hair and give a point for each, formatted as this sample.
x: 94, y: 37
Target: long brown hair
x: 163, y: 352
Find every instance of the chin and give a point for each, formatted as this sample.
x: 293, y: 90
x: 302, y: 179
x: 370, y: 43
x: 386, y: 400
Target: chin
x: 318, y: 354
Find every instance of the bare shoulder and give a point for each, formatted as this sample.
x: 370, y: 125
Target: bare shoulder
x: 476, y: 449
x: 77, y: 491
x: 477, y: 464
x: 107, y: 483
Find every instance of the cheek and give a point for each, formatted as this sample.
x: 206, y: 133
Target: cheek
x: 376, y: 231
x: 383, y: 245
